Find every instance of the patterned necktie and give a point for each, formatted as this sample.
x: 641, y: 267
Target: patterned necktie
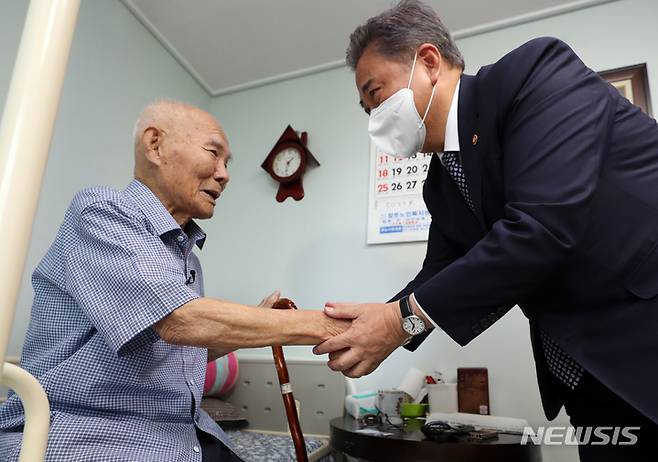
x: 560, y: 364
x: 450, y: 161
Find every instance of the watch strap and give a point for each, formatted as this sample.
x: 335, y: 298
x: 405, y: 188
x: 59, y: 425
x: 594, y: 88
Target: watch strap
x: 405, y: 307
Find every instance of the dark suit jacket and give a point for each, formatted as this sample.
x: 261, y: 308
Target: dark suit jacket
x: 564, y: 177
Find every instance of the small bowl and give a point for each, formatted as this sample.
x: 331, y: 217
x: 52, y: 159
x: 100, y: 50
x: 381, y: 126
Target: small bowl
x: 413, y: 409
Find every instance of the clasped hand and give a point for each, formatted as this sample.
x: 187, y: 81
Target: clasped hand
x: 358, y: 337
x: 325, y: 326
x: 376, y: 331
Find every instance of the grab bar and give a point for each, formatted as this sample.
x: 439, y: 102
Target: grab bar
x: 25, y: 133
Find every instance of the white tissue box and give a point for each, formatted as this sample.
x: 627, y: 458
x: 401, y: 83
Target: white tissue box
x: 360, y: 404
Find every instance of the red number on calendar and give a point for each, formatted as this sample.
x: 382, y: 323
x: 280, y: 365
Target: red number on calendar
x: 383, y: 173
x: 382, y: 187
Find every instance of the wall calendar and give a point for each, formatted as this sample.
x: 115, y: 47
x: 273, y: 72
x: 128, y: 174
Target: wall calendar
x: 396, y: 210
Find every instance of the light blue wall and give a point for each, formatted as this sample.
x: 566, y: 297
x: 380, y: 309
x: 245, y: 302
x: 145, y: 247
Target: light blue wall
x: 609, y: 36
x: 315, y: 250
x: 116, y: 67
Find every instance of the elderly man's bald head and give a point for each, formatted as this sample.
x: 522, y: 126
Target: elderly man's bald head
x: 169, y: 115
x: 181, y: 154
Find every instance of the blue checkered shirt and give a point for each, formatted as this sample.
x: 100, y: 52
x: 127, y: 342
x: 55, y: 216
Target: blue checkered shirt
x: 117, y: 392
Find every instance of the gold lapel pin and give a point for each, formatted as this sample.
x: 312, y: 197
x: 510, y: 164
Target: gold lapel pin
x: 475, y: 139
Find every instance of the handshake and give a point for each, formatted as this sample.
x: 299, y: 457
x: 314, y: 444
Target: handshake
x: 357, y: 337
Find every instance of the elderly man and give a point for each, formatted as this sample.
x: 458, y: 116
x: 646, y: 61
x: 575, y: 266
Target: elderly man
x: 542, y: 194
x: 120, y: 331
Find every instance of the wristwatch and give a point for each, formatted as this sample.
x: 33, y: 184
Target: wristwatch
x: 412, y: 324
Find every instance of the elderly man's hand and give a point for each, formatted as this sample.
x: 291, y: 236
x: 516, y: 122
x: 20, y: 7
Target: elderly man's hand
x: 329, y: 327
x: 334, y: 327
x: 375, y: 333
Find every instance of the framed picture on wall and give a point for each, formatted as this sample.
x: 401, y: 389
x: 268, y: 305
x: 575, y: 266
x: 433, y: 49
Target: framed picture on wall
x: 632, y: 83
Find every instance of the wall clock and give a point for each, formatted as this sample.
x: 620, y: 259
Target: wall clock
x: 287, y: 162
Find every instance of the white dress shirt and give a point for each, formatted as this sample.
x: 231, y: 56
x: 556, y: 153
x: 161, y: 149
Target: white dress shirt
x: 450, y: 144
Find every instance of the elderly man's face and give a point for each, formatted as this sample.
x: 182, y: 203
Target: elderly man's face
x: 194, y: 171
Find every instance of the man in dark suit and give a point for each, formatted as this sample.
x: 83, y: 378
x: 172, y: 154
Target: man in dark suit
x: 544, y: 193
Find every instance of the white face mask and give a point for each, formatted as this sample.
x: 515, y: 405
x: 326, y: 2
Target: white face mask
x: 395, y: 126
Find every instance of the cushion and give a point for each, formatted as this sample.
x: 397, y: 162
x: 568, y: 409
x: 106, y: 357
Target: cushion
x: 221, y: 375
x: 221, y: 411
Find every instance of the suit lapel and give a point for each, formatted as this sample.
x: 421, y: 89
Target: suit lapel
x: 470, y: 143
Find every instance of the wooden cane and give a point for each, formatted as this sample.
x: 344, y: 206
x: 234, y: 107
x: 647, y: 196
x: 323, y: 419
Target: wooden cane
x: 286, y: 389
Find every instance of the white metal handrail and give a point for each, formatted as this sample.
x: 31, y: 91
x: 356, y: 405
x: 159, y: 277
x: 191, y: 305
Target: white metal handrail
x: 25, y: 134
x: 37, y: 411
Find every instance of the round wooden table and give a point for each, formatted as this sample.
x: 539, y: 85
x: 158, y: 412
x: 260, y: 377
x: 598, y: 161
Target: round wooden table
x: 405, y: 445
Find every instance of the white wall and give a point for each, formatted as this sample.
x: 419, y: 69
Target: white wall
x: 315, y: 250
x: 116, y: 67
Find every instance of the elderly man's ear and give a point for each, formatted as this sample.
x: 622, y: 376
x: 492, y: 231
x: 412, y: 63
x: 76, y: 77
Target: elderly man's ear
x: 152, y: 139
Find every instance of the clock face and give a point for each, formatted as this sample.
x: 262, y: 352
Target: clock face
x: 286, y: 162
x: 413, y: 325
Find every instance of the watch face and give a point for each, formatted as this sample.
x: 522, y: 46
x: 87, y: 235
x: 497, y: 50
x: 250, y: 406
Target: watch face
x: 286, y: 162
x: 413, y: 325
